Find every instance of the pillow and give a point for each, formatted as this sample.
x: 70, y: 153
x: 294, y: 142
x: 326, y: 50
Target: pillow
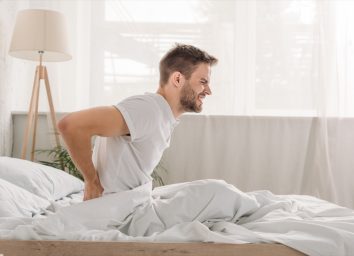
x: 17, y: 202
x: 44, y: 181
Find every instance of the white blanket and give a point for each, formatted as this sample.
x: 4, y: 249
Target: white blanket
x: 206, y: 210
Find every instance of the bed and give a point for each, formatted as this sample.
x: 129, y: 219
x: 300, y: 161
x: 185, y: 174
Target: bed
x: 76, y: 248
x: 42, y: 213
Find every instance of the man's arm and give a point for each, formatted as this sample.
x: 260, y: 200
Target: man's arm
x: 77, y: 130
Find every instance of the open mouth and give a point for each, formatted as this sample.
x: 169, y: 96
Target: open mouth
x: 201, y: 97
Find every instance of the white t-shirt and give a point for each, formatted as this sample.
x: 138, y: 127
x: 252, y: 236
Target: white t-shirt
x: 126, y: 162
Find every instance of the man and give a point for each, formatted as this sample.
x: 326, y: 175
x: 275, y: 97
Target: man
x: 134, y: 133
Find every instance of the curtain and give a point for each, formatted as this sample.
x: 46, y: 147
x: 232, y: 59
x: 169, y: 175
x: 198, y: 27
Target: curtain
x: 5, y: 103
x: 268, y: 50
x: 269, y: 53
x: 8, y: 73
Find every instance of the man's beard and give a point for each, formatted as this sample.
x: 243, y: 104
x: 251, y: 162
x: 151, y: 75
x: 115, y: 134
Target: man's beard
x: 188, y: 99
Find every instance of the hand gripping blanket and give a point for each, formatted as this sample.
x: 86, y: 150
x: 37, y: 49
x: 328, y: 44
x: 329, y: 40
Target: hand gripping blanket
x: 203, y: 211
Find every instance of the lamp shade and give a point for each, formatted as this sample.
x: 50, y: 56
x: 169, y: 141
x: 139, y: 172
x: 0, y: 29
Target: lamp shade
x: 40, y: 31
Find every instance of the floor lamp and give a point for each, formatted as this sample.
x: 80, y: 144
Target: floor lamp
x: 39, y: 35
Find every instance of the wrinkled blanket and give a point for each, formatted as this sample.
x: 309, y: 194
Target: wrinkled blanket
x: 205, y: 211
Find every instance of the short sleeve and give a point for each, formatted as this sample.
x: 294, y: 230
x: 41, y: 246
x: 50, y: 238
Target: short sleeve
x: 141, y: 114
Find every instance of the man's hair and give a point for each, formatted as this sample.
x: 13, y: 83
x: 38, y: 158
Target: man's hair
x: 185, y: 59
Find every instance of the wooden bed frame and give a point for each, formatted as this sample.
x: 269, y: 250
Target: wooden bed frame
x: 84, y: 248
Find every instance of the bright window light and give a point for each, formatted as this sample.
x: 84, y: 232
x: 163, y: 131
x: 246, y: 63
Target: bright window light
x: 161, y: 11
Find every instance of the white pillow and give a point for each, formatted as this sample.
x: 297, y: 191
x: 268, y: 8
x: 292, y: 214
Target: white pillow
x: 17, y: 202
x: 44, y: 181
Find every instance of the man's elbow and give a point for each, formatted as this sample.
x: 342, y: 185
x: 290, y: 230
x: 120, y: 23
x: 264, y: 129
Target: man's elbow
x: 65, y: 125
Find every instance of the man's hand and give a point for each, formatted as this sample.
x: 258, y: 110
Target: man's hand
x: 93, y: 189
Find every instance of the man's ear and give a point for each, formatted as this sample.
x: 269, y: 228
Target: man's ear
x: 178, y: 79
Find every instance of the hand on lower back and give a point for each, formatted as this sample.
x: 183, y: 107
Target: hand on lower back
x: 93, y: 189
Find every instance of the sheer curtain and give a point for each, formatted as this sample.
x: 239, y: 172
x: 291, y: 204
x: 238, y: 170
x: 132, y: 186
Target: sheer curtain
x: 5, y: 103
x: 9, y: 73
x: 270, y: 53
x: 333, y: 91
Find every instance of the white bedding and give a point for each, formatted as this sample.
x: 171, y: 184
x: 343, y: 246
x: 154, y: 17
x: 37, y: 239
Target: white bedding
x: 44, y: 181
x: 207, y: 211
x: 40, y: 209
x: 18, y: 202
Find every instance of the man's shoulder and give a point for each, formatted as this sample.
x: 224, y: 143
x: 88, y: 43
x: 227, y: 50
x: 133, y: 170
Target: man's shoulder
x: 149, y: 100
x: 141, y: 97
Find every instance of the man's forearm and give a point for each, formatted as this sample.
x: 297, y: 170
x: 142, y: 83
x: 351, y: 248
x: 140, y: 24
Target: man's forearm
x: 78, y: 128
x: 79, y: 147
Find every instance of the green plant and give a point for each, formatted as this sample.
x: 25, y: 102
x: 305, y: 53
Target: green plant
x: 62, y: 160
x: 157, y: 179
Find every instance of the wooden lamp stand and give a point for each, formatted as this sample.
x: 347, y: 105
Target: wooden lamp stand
x: 41, y: 74
x: 39, y: 34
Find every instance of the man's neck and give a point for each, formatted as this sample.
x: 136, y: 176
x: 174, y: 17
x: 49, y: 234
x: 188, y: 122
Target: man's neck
x: 172, y: 100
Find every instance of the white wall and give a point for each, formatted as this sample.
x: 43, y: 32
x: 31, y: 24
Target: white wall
x: 258, y: 153
x: 44, y: 138
x: 253, y: 153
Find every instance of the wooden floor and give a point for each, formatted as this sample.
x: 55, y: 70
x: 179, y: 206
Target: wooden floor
x: 75, y: 248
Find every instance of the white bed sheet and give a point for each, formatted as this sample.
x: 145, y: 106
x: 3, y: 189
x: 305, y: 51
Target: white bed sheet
x: 8, y: 223
x: 206, y: 211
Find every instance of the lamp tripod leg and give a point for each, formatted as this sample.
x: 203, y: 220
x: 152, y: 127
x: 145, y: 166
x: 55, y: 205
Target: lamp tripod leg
x: 34, y: 132
x: 51, y: 106
x: 31, y: 112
